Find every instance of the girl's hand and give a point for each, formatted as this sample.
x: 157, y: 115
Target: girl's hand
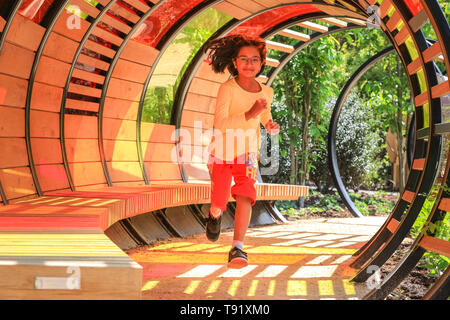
x: 272, y: 127
x: 259, y: 106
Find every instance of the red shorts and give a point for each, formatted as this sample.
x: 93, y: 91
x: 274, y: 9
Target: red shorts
x: 243, y: 169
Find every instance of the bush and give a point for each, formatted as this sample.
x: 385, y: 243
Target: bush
x: 359, y: 148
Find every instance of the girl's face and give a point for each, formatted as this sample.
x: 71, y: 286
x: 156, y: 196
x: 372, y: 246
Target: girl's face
x: 248, y: 62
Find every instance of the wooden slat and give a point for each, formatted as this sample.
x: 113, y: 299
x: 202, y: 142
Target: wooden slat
x: 393, y: 225
x: 191, y: 118
x: 93, y: 62
x: 120, y: 109
x: 82, y: 150
x: 116, y: 129
x: 401, y: 37
x: 81, y: 127
x: 13, y: 91
x: 52, y: 177
x: 334, y: 21
x: 232, y: 10
x: 89, y: 76
x: 98, y: 48
x: 124, y: 171
x: 154, y: 132
x: 82, y: 105
x: 166, y: 152
x: 355, y: 21
x: 200, y: 103
x: 75, y: 34
x: 12, y: 122
x: 418, y: 21
x: 445, y: 204
x: 421, y: 99
x: 125, y: 13
x: 195, y: 136
x: 384, y: 8
x: 17, y: 182
x: 279, y: 46
x: 23, y: 61
x: 137, y: 4
x: 432, y: 52
x: 25, y: 33
x: 436, y: 245
x: 414, y: 66
x: 393, y: 21
x: 131, y: 71
x: 88, y: 173
x: 46, y: 151
x: 248, y: 5
x: 205, y: 72
x: 52, y: 72
x: 116, y: 23
x: 262, y: 79
x: 294, y: 35
x: 124, y: 89
x: 408, y: 196
x: 84, y: 90
x: 418, y: 164
x: 60, y: 47
x: 272, y: 62
x: 107, y: 35
x: 139, y: 53
x: 85, y: 7
x: 204, y: 87
x: 441, y: 89
x: 313, y: 26
x: 117, y: 150
x: 44, y: 124
x: 14, y: 152
x: 160, y: 171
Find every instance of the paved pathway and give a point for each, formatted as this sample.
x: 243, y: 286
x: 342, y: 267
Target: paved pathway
x: 304, y: 259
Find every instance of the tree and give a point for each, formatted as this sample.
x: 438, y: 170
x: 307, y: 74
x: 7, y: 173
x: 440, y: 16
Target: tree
x: 302, y: 87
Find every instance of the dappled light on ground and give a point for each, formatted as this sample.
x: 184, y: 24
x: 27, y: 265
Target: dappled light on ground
x: 305, y: 259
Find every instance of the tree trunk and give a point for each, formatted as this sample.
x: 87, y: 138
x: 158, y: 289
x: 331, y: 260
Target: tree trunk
x: 305, y: 138
x: 399, y: 124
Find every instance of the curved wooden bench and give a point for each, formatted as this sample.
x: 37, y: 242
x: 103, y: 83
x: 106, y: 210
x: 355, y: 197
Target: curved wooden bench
x: 52, y: 235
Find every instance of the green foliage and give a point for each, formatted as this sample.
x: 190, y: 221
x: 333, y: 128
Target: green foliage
x: 317, y: 202
x: 434, y: 262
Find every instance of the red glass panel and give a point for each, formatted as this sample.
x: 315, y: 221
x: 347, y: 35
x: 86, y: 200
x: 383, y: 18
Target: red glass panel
x: 262, y: 22
x: 152, y: 30
x: 414, y: 5
x: 35, y: 10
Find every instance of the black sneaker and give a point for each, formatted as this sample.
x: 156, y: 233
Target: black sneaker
x: 237, y: 258
x: 213, y: 228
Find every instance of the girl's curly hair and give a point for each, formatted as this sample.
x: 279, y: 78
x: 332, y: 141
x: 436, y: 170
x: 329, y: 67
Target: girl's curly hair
x: 225, y: 50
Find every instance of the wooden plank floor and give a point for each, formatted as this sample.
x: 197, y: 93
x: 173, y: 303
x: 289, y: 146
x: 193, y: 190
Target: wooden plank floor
x: 305, y: 259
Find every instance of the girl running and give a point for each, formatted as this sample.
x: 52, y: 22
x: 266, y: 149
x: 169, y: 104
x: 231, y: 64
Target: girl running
x: 242, y: 104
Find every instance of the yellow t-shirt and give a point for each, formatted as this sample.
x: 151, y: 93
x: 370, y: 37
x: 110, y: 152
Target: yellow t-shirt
x: 235, y: 136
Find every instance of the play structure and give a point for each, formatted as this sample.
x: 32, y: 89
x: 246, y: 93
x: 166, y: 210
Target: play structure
x: 83, y: 176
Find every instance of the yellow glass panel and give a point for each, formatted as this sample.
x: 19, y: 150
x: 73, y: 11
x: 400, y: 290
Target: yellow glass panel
x: 411, y: 48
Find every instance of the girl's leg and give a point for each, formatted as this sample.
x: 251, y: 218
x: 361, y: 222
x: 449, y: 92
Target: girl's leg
x: 242, y: 217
